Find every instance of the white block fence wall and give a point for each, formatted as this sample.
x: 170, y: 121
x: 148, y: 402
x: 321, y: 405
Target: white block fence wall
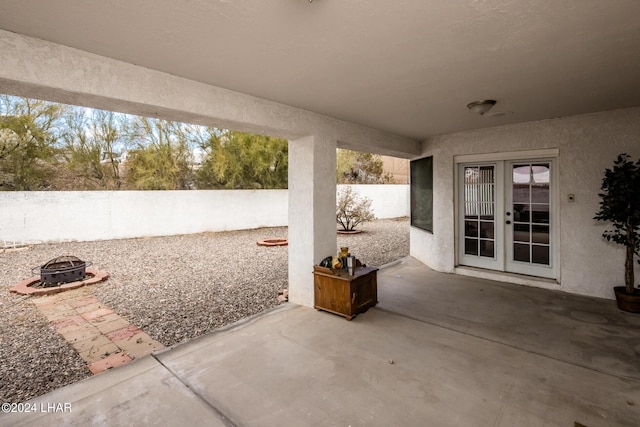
x: 53, y: 216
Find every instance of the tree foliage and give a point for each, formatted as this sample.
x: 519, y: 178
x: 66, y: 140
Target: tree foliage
x: 94, y: 142
x: 352, y: 209
x: 241, y: 160
x: 162, y: 159
x: 355, y: 167
x: 49, y: 146
x: 29, y: 132
x: 620, y: 205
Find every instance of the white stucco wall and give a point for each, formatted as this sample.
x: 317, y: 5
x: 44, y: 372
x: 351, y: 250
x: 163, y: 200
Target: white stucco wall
x: 387, y: 201
x: 44, y: 216
x: 587, y: 145
x: 99, y: 215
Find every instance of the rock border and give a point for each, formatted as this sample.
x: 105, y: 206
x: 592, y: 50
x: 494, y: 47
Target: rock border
x: 349, y: 231
x: 273, y: 242
x: 25, y: 287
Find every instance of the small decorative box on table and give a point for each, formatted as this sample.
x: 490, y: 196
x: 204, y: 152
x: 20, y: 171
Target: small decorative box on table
x: 337, y: 292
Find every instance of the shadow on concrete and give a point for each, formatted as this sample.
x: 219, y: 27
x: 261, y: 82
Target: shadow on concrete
x: 439, y: 350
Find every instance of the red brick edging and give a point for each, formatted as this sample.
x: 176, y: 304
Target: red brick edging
x: 273, y: 242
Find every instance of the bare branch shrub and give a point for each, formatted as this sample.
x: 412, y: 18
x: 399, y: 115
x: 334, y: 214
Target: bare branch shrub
x: 352, y: 209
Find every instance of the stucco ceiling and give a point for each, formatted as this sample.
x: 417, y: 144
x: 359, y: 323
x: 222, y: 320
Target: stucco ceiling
x: 408, y: 67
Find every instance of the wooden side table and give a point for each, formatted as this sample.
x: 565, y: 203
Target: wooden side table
x: 337, y: 292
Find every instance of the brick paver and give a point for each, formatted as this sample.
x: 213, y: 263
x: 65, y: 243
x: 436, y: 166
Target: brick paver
x: 123, y: 333
x: 111, y: 361
x: 83, y: 301
x: 109, y: 323
x: 101, y: 337
x: 69, y: 321
x: 90, y: 315
x: 90, y: 343
x: 139, y: 345
x: 99, y: 352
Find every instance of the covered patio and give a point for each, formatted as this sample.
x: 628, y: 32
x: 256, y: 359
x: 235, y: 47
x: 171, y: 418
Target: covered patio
x: 388, y: 78
x: 401, y: 80
x: 438, y: 349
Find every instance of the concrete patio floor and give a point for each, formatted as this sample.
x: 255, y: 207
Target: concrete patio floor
x: 438, y: 350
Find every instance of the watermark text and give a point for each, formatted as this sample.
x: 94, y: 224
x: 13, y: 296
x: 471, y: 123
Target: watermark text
x: 40, y: 407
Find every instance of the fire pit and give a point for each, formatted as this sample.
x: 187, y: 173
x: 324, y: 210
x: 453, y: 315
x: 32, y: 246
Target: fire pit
x: 58, y: 275
x: 63, y: 269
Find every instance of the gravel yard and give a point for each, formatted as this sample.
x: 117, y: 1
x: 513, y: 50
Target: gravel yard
x: 174, y: 288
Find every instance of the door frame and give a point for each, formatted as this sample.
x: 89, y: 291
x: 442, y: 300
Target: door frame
x: 507, y: 158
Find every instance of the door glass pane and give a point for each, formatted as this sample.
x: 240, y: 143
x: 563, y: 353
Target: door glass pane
x: 540, y: 183
x: 487, y: 230
x: 486, y: 175
x: 541, y: 173
x: 470, y: 211
x: 471, y: 246
x: 540, y: 254
x: 521, y: 233
x: 540, y: 214
x: 540, y: 234
x: 486, y: 211
x: 471, y: 228
x: 487, y: 248
x: 521, y: 174
x: 521, y: 193
x: 521, y: 252
x: 540, y: 193
x: 521, y: 181
x: 521, y: 212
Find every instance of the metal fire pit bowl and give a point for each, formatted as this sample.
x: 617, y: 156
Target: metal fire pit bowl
x: 63, y: 269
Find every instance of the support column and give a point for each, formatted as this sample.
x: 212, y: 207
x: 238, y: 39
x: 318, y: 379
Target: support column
x: 312, y: 210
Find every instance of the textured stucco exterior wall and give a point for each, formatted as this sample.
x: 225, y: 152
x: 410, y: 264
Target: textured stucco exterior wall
x: 312, y: 189
x: 387, y: 201
x: 587, y: 145
x: 40, y: 69
x: 100, y: 215
x: 47, y: 216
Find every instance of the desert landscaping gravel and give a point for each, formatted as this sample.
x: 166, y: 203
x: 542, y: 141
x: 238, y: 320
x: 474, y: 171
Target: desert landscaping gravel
x: 174, y: 288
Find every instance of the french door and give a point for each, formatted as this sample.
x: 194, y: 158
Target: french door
x: 506, y: 216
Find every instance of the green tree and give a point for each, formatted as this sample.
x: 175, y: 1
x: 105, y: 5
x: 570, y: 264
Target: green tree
x: 620, y: 206
x: 163, y: 158
x: 29, y: 132
x: 94, y: 145
x: 355, y: 167
x: 242, y: 160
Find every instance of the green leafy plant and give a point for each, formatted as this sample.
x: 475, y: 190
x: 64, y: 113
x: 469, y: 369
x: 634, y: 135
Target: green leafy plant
x: 620, y: 205
x: 352, y: 209
x: 356, y: 167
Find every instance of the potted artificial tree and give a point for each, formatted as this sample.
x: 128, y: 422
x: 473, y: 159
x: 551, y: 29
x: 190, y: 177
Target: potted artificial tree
x: 620, y: 205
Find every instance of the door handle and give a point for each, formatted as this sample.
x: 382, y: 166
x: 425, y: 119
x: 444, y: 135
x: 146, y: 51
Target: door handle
x: 508, y: 222
x: 508, y: 214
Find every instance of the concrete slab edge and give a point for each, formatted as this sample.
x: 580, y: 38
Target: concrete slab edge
x: 196, y: 342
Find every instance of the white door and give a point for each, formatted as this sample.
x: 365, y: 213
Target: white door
x: 480, y: 216
x: 528, y: 218
x: 506, y: 216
